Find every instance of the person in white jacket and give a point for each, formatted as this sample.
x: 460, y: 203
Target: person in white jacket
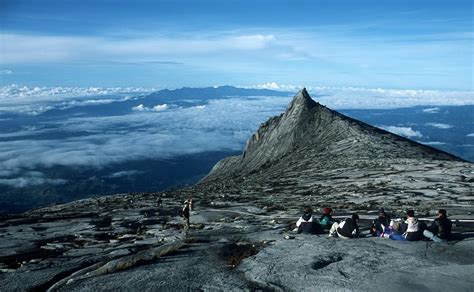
x: 306, y: 223
x: 413, y: 232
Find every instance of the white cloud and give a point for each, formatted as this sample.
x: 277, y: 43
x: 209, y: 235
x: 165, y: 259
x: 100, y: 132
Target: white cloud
x: 379, y: 98
x: 75, y: 103
x: 16, y: 92
x: 139, y: 108
x: 440, y: 126
x: 275, y: 86
x: 470, y: 135
x: 432, y: 110
x: 24, y: 132
x: 30, y: 178
x: 36, y: 100
x: 269, y: 85
x: 160, y: 107
x: 21, y: 48
x: 403, y: 131
x: 6, y: 72
x: 125, y: 173
x: 433, y: 143
x: 252, y: 42
x: 266, y: 52
x: 156, y: 108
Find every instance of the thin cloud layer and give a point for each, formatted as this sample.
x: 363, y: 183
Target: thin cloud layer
x: 432, y: 110
x: 298, y: 55
x: 433, y: 143
x: 44, y: 93
x: 440, y: 126
x: 30, y: 178
x: 403, y: 131
x: 80, y: 48
x: 124, y: 173
x: 37, y: 100
x: 378, y: 98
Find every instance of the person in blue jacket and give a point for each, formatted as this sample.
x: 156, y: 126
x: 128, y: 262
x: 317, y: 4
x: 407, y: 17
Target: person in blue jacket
x: 326, y: 220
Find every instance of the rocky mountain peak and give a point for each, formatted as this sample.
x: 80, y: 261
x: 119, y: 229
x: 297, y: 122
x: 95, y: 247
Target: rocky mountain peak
x: 301, y: 104
x: 308, y: 133
x: 301, y: 100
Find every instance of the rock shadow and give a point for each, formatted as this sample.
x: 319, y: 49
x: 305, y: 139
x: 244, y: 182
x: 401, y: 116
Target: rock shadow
x: 234, y: 253
x: 324, y: 262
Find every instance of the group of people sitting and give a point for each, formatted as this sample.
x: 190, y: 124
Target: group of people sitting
x: 408, y: 228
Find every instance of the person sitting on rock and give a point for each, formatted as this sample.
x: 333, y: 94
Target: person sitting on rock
x: 306, y: 224
x: 346, y: 229
x: 326, y: 220
x: 393, y: 231
x: 440, y: 229
x: 380, y: 223
x: 413, y: 232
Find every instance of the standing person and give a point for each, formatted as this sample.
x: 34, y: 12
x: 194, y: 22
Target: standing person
x: 413, y: 232
x: 159, y: 202
x: 191, y: 206
x: 380, y: 223
x: 326, y: 220
x: 347, y: 228
x: 440, y: 228
x: 185, y: 214
x: 306, y: 224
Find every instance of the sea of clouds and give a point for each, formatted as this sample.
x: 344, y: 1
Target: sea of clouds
x: 158, y: 132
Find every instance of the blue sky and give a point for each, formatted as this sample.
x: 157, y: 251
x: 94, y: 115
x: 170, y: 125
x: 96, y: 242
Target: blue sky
x: 161, y: 44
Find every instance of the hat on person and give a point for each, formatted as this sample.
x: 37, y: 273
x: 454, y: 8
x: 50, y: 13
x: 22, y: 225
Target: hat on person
x: 327, y: 210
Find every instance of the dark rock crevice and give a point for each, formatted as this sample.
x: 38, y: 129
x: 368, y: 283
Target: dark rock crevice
x: 323, y: 262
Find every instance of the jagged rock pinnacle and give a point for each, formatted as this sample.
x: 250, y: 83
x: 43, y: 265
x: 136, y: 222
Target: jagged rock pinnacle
x: 301, y: 101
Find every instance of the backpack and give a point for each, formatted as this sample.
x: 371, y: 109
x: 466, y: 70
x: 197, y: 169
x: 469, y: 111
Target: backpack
x: 445, y: 226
